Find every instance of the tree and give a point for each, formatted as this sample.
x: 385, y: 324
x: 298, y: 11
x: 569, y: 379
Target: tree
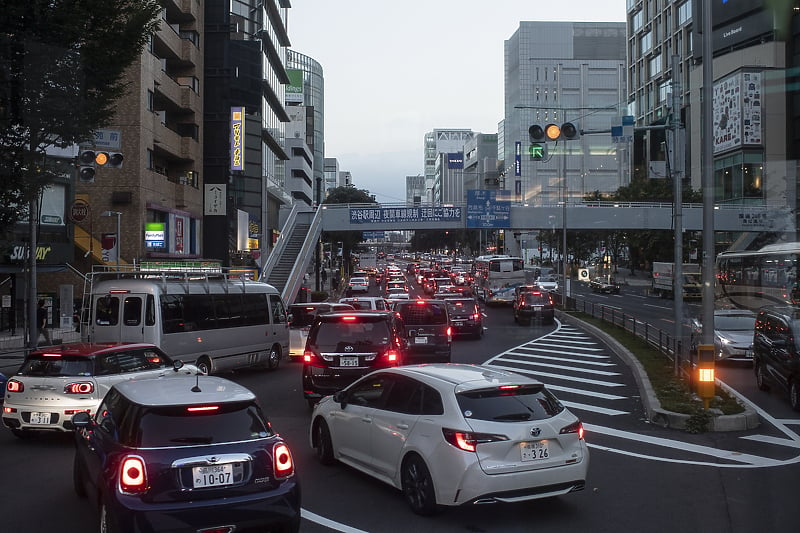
x: 62, y: 66
x: 349, y: 239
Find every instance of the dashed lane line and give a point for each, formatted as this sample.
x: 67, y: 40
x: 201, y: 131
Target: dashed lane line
x: 563, y: 377
x: 592, y: 371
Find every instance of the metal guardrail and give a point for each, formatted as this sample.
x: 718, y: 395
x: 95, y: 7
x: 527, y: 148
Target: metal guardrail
x: 280, y: 244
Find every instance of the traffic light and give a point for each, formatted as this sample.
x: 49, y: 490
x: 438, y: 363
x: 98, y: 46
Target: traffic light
x: 89, y: 160
x: 538, y: 151
x: 568, y: 131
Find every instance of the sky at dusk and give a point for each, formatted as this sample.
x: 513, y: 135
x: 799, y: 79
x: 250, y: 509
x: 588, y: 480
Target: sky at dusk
x: 396, y: 70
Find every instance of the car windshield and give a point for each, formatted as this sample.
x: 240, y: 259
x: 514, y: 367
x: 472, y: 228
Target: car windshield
x: 180, y: 426
x: 734, y: 323
x: 44, y: 365
x: 527, y: 402
x: 362, y: 332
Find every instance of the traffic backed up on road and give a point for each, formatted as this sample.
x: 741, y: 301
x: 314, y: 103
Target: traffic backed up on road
x: 189, y: 454
x: 453, y: 434
x: 58, y: 381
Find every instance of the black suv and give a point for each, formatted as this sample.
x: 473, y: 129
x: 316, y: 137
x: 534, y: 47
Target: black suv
x: 430, y: 334
x: 465, y: 317
x: 534, y: 304
x: 189, y: 453
x: 776, y: 355
x: 342, y: 347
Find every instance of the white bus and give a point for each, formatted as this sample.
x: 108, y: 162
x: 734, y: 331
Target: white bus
x: 753, y: 279
x: 496, y: 276
x: 210, y: 319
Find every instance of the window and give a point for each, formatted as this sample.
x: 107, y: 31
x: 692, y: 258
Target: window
x: 107, y: 311
x: 132, y: 311
x: 370, y: 393
x: 278, y: 310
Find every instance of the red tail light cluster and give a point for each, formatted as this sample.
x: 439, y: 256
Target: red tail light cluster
x: 282, y: 463
x: 81, y: 387
x: 392, y: 357
x: 132, y: 475
x: 575, y: 427
x: 467, y: 440
x: 14, y: 386
x: 311, y: 359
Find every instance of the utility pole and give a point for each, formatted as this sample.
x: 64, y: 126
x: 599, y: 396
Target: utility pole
x: 677, y: 270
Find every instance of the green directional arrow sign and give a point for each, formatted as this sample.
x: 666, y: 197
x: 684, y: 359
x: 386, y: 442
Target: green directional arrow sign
x: 537, y: 151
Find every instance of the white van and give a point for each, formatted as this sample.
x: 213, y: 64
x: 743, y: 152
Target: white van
x: 366, y: 303
x: 217, y: 323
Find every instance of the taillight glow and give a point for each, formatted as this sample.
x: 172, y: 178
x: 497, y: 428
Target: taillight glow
x: 203, y: 408
x: 9, y: 410
x: 132, y: 475
x: 348, y: 318
x: 392, y: 356
x: 420, y: 302
x: 576, y: 427
x: 14, y: 386
x: 505, y: 387
x: 449, y: 331
x: 476, y: 316
x: 119, y: 291
x: 467, y: 440
x: 51, y: 355
x: 282, y: 462
x: 82, y: 387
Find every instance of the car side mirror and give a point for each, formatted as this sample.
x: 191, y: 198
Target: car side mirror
x: 340, y: 397
x: 81, y: 420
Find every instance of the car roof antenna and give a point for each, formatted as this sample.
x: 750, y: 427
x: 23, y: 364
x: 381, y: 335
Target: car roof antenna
x: 196, y: 387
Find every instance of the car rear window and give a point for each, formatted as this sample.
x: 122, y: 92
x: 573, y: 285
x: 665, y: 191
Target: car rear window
x: 535, y: 298
x: 521, y: 403
x: 461, y: 306
x: 176, y: 425
x: 416, y: 314
x: 41, y: 365
x: 361, y: 332
x: 303, y: 315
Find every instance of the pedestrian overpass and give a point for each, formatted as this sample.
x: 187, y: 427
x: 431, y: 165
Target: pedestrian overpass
x: 578, y: 216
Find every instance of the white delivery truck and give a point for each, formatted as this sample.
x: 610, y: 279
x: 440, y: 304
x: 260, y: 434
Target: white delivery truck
x: 663, y: 280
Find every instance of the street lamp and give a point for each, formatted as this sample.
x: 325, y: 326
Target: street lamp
x: 117, y: 214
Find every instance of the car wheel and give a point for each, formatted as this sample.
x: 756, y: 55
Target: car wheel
x: 77, y: 478
x: 417, y: 486
x: 323, y: 444
x: 204, y: 365
x: 761, y: 378
x: 106, y: 521
x: 794, y: 396
x: 274, y: 358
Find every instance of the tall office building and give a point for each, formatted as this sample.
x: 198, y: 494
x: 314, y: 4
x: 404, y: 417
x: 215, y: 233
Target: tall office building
x: 415, y: 189
x: 308, y: 89
x: 557, y: 72
x: 440, y: 141
x: 331, y: 174
x: 244, y: 148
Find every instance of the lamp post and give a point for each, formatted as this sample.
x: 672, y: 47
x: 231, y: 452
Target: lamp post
x: 117, y: 214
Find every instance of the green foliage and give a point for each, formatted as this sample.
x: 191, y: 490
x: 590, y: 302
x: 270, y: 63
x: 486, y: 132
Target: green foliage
x: 62, y: 66
x: 349, y: 239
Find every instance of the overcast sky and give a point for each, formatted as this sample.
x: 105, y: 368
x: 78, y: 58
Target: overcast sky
x: 395, y: 70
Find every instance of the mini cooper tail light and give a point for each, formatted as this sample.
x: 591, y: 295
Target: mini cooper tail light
x: 467, y: 440
x: 14, y: 385
x: 132, y: 475
x: 80, y: 387
x: 282, y: 463
x: 575, y: 427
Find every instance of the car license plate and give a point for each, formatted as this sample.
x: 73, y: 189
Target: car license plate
x: 537, y: 307
x: 40, y: 418
x: 348, y: 361
x: 420, y: 340
x: 212, y: 476
x: 535, y: 451
x: 458, y: 322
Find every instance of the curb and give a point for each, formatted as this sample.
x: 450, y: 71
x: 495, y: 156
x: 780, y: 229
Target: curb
x: 655, y: 413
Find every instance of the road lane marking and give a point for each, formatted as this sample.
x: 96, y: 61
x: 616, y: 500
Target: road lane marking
x: 550, y: 358
x: 584, y: 392
x: 767, y: 439
x: 657, y: 306
x: 560, y: 376
x: 331, y: 524
x: 583, y: 355
x: 593, y: 408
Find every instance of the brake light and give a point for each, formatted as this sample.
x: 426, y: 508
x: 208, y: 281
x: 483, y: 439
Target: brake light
x: 576, y: 427
x: 420, y: 302
x: 14, y: 386
x: 449, y: 331
x: 9, y: 410
x: 475, y: 316
x: 467, y: 440
x: 348, y: 318
x: 392, y: 356
x: 202, y: 408
x: 132, y: 475
x: 51, y: 355
x: 82, y: 387
x: 505, y: 387
x: 282, y: 463
x: 311, y: 359
x: 119, y: 291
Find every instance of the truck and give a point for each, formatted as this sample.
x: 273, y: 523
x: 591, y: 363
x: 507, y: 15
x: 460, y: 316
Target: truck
x: 692, y: 280
x: 368, y: 261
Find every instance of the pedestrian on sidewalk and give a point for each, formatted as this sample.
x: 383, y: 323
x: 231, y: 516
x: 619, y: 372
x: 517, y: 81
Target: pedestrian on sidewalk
x: 41, y: 319
x: 324, y: 277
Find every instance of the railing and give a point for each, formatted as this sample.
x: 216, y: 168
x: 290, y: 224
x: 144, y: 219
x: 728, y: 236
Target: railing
x: 280, y: 244
x: 305, y: 256
x: 582, y: 203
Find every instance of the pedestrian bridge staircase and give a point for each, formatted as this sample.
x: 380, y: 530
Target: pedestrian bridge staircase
x: 288, y: 262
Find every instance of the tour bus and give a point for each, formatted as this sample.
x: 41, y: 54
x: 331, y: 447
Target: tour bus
x: 755, y: 278
x: 214, y: 320
x: 496, y: 276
